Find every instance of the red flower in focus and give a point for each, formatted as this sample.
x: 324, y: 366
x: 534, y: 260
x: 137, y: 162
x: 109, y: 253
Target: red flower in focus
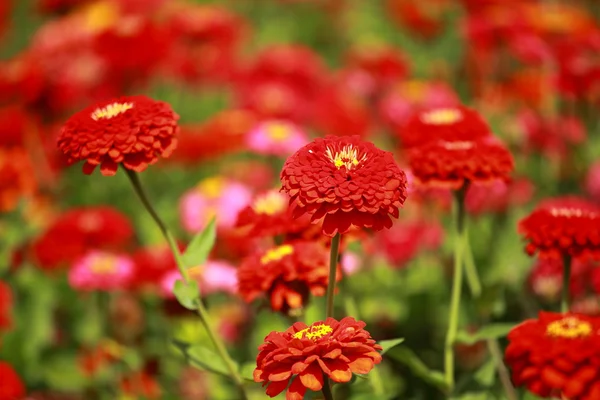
x: 133, y: 131
x: 456, y: 163
x: 305, y: 355
x: 344, y: 182
x: 405, y: 240
x: 565, y: 225
x: 79, y: 230
x: 545, y: 279
x: 286, y: 274
x: 12, y: 387
x: 499, y: 197
x: 17, y: 177
x: 556, y: 355
x: 448, y: 123
x: 6, y: 305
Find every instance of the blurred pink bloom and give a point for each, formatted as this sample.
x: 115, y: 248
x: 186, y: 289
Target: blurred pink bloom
x: 276, y: 137
x: 592, y: 182
x: 98, y: 270
x: 213, y: 197
x: 498, y: 196
x: 214, y: 276
x: 350, y: 263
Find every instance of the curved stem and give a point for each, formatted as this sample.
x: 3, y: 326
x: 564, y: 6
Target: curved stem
x: 564, y: 305
x: 333, y: 262
x: 201, y: 310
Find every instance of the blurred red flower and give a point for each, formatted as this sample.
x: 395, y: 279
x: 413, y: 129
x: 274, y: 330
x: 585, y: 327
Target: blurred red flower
x: 556, y: 355
x: 592, y: 182
x: 565, y: 226
x: 305, y: 355
x: 21, y: 80
x: 132, y: 131
x: 453, y: 164
x: 406, y: 239
x: 286, y: 274
x: 141, y: 384
x: 424, y: 18
x: 151, y: 265
x: 383, y: 64
x: 339, y: 111
x: 12, y: 387
x: 78, y: 230
x: 6, y: 305
x: 59, y: 6
x: 546, y: 276
x: 499, y: 196
x: 344, y: 182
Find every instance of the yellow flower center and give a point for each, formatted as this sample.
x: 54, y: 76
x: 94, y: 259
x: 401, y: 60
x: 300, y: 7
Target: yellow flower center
x: 414, y: 90
x: 570, y: 212
x: 443, y: 116
x: 195, y: 272
x: 100, y: 16
x: 278, y: 131
x: 104, y: 265
x: 313, y: 332
x: 569, y: 327
x: 212, y: 187
x: 111, y: 110
x: 347, y: 157
x: 277, y: 253
x: 270, y: 204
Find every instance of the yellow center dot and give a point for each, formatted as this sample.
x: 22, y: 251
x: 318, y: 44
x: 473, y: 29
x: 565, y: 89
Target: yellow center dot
x: 104, y: 265
x: 270, y: 204
x: 212, y: 187
x: 195, y: 272
x: 111, y: 111
x: 444, y: 116
x: 347, y: 157
x: 414, y: 90
x: 278, y: 131
x: 313, y: 332
x: 569, y: 327
x: 277, y: 253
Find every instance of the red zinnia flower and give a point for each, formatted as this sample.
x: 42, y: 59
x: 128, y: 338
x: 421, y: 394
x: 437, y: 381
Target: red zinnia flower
x: 453, y: 164
x: 556, y: 355
x: 457, y: 123
x: 287, y: 274
x: 133, y: 131
x: 566, y: 225
x: 306, y: 354
x: 12, y: 387
x: 344, y: 181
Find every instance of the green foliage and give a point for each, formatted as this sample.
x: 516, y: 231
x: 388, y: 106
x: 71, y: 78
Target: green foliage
x: 407, y: 357
x: 199, y: 248
x: 492, y: 331
x: 187, y: 293
x: 389, y: 344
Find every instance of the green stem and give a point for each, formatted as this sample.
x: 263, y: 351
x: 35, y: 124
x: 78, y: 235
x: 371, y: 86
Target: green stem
x: 564, y: 305
x: 459, y: 220
x: 496, y: 354
x: 202, y: 312
x: 471, y: 270
x: 333, y: 262
x: 326, y: 389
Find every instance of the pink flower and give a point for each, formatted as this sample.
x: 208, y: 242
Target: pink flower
x: 98, y: 270
x: 592, y: 182
x: 214, y: 276
x: 213, y: 197
x: 350, y: 263
x: 276, y: 137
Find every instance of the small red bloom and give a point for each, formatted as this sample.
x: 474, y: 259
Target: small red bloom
x: 556, y: 356
x: 565, y: 225
x: 17, y: 177
x: 12, y: 387
x: 151, y: 265
x: 141, y: 384
x: 287, y: 274
x: 339, y: 111
x: 406, y: 239
x: 305, y: 355
x: 452, y: 164
x: 343, y: 181
x: 6, y: 305
x: 498, y: 197
x: 133, y: 131
x: 457, y: 123
x: 545, y: 279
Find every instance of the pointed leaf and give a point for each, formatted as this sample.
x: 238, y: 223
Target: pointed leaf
x: 247, y: 371
x: 202, y: 358
x: 492, y: 331
x: 389, y: 344
x: 187, y: 294
x: 199, y: 248
x: 411, y: 360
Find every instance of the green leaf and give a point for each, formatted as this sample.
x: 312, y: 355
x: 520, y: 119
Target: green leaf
x: 486, y: 374
x: 411, y: 360
x: 199, y: 248
x: 187, y: 294
x: 247, y: 371
x: 62, y: 373
x: 492, y: 331
x: 202, y: 358
x: 389, y: 344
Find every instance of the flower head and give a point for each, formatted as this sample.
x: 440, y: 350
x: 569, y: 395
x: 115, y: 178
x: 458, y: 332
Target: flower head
x: 452, y: 164
x: 344, y: 182
x: 12, y: 387
x: 101, y: 271
x: 566, y: 225
x: 17, y: 178
x: 133, y: 131
x: 277, y: 137
x: 305, y: 355
x: 286, y: 274
x: 556, y: 355
x: 6, y: 304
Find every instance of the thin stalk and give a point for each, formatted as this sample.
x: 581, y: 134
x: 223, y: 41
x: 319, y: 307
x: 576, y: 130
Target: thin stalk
x: 201, y: 310
x: 564, y: 304
x: 333, y: 262
x: 326, y: 389
x: 471, y: 270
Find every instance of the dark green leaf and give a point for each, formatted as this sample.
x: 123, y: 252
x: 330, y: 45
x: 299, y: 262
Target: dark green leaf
x: 389, y: 344
x: 492, y: 331
x: 187, y: 294
x: 411, y: 360
x: 199, y: 248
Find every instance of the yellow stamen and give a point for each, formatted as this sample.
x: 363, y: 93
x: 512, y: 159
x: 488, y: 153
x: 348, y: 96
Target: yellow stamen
x: 270, y: 204
x: 313, y: 332
x: 111, y: 111
x: 443, y: 116
x: 104, y: 265
x: 195, y: 272
x: 277, y: 253
x: 569, y: 327
x: 212, y: 187
x: 278, y: 131
x: 347, y: 157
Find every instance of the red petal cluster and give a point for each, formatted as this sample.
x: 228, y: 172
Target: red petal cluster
x: 344, y: 182
x: 79, y: 230
x: 545, y: 279
x: 556, y: 356
x: 286, y: 274
x: 17, y: 177
x: 151, y: 264
x: 12, y: 387
x: 566, y: 225
x: 456, y: 123
x: 305, y: 355
x: 6, y: 304
x: 133, y: 131
x: 499, y: 197
x: 453, y: 164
